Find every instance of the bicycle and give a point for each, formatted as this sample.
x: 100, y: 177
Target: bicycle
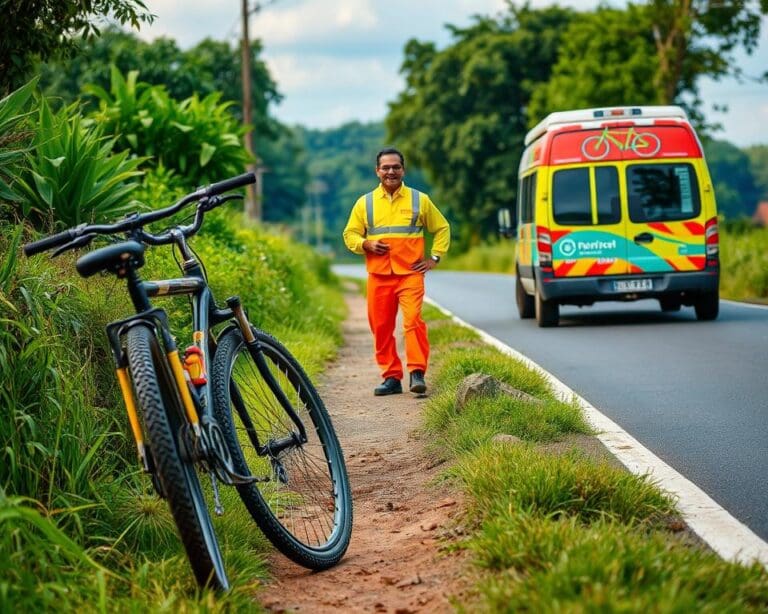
x: 239, y: 410
x: 644, y: 144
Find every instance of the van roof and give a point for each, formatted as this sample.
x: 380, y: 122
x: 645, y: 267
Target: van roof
x: 595, y: 117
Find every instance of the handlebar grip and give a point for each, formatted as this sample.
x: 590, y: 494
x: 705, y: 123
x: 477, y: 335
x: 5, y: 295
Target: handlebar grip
x: 46, y: 243
x: 231, y: 184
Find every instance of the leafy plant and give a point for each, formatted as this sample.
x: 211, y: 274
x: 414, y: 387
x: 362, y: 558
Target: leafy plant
x: 197, y: 138
x: 13, y: 111
x: 72, y: 176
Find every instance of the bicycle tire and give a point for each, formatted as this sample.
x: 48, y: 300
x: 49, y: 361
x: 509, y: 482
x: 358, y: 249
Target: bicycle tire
x: 305, y: 509
x: 646, y: 137
x: 163, y: 415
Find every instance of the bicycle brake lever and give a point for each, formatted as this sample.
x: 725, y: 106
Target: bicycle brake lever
x: 81, y: 241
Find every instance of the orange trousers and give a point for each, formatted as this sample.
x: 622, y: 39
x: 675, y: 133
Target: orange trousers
x: 385, y: 294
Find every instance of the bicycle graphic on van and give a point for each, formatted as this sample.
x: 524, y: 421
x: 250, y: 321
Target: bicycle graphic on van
x: 644, y: 144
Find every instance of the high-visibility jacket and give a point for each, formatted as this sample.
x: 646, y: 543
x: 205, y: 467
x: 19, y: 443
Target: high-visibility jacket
x: 400, y: 222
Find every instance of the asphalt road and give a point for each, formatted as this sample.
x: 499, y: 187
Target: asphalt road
x: 694, y: 393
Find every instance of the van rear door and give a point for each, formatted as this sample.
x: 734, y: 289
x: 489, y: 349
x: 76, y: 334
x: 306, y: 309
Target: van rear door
x: 586, y: 226
x: 666, y: 225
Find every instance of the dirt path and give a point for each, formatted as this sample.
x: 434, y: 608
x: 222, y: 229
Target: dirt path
x: 397, y: 561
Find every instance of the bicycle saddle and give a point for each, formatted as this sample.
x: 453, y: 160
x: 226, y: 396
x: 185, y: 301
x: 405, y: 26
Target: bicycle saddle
x: 116, y: 258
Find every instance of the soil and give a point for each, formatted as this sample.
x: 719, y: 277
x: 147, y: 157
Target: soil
x: 399, y: 559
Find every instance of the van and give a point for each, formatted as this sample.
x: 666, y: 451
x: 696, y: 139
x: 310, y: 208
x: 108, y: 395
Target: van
x: 615, y: 205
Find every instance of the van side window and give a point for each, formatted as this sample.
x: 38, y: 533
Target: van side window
x: 570, y: 196
x: 526, y: 198
x: 662, y: 192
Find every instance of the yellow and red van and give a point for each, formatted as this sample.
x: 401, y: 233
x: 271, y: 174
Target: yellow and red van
x: 615, y: 205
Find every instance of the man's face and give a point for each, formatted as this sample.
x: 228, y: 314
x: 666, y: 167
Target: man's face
x: 390, y: 172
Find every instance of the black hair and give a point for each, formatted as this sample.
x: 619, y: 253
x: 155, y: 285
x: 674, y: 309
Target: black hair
x: 389, y: 150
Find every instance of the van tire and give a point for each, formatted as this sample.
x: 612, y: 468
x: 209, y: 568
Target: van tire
x: 707, y: 306
x: 526, y: 306
x: 547, y: 312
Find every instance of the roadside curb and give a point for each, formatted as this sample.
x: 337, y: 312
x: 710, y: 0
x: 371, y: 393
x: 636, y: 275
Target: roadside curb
x: 726, y: 535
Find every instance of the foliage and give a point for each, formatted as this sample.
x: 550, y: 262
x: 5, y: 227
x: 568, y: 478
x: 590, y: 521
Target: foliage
x: 699, y: 37
x: 758, y: 164
x: 744, y: 263
x: 210, y: 66
x: 42, y: 29
x: 71, y: 174
x: 286, y: 177
x: 462, y: 117
x: 13, y: 112
x: 71, y: 499
x: 606, y: 58
x: 197, y: 138
x: 735, y: 188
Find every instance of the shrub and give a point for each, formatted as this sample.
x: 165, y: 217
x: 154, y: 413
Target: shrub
x: 72, y: 175
x: 199, y: 139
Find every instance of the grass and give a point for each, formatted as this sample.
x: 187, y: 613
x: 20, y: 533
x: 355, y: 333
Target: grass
x: 80, y: 527
x: 555, y: 529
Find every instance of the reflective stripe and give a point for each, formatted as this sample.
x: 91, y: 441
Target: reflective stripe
x: 380, y: 230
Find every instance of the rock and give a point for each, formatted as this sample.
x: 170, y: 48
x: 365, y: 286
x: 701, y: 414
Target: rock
x: 480, y: 384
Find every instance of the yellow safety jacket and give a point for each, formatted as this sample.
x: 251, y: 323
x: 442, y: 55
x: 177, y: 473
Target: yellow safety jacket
x: 400, y: 222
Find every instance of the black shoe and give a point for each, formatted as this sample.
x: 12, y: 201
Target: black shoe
x: 418, y: 385
x: 390, y: 385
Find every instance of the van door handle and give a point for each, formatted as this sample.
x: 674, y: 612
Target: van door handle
x: 644, y: 237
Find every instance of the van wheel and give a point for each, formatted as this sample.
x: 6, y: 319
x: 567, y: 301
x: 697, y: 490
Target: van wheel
x: 669, y: 303
x: 707, y: 306
x: 547, y: 312
x: 525, y: 302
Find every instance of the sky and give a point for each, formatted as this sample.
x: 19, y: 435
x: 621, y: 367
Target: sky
x: 339, y: 61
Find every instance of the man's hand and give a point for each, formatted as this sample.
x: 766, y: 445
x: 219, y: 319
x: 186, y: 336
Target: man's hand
x: 375, y: 247
x: 422, y: 266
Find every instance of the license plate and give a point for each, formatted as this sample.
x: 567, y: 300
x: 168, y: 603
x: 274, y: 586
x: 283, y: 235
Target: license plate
x: 632, y: 285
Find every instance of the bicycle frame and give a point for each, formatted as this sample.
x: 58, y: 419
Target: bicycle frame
x: 196, y: 399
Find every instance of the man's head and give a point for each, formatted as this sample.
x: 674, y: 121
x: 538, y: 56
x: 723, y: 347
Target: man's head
x: 390, y: 168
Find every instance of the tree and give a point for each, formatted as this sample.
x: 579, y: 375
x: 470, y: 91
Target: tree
x: 735, y: 188
x: 208, y: 67
x: 606, y: 58
x: 46, y: 28
x: 758, y: 163
x: 698, y: 37
x: 462, y: 116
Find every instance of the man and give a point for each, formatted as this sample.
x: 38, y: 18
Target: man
x: 387, y: 225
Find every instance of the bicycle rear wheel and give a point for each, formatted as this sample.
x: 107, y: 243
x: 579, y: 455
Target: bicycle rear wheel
x: 164, y: 415
x: 305, y: 508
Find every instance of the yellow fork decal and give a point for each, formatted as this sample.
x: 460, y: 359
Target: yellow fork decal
x: 130, y: 406
x: 181, y: 383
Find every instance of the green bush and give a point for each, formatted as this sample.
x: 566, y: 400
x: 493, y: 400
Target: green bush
x: 13, y: 112
x: 198, y: 139
x: 71, y: 175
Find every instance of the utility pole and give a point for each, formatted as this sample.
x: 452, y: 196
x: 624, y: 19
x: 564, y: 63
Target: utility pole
x: 253, y: 192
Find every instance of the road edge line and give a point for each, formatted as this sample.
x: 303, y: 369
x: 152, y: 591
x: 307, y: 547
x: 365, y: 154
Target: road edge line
x: 726, y: 535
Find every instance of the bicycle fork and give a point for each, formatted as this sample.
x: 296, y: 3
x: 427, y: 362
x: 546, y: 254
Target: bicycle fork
x: 273, y: 447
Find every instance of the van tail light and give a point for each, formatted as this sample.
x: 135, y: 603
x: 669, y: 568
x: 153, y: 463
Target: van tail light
x: 712, y: 237
x: 544, y: 244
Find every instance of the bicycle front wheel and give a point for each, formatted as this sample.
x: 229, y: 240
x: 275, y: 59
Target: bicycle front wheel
x: 305, y: 507
x: 164, y: 416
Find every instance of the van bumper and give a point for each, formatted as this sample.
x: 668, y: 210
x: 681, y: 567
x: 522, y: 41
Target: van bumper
x: 587, y: 290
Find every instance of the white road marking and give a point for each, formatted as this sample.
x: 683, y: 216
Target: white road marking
x: 726, y: 535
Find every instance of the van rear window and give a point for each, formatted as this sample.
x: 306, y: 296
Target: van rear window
x: 571, y: 196
x: 662, y: 192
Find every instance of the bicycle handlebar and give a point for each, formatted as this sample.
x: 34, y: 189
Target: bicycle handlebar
x: 136, y: 221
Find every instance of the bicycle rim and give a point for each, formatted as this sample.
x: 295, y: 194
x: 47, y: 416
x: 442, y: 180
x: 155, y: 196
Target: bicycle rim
x: 163, y: 416
x: 305, y: 508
